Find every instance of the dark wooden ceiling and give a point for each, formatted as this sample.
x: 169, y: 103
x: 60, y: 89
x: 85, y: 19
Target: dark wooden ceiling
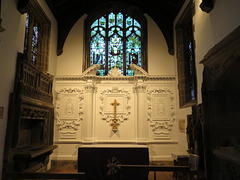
x: 67, y: 12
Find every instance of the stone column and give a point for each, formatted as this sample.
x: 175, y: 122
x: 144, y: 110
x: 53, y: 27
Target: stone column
x: 142, y: 128
x: 87, y: 129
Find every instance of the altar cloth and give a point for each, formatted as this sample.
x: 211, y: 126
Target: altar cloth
x: 102, y: 163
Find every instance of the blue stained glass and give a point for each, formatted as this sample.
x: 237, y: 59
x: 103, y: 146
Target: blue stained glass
x: 128, y: 33
x: 136, y: 23
x: 136, y: 29
x: 111, y: 20
x: 102, y: 22
x: 190, y: 58
x: 133, y: 42
x: 26, y: 32
x: 129, y: 22
x: 138, y: 33
x: 95, y: 23
x: 111, y: 32
x: 120, y: 20
x: 103, y: 33
x: 97, y: 47
x: 192, y: 93
x: 120, y: 33
x: 34, y: 44
x: 190, y: 46
x: 93, y: 33
x: 133, y: 51
x: 117, y: 37
x: 115, y: 52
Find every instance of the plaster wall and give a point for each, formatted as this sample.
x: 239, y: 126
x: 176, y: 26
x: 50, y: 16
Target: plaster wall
x: 12, y: 42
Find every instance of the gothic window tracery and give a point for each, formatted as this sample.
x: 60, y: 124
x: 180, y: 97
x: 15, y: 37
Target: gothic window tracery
x: 116, y: 39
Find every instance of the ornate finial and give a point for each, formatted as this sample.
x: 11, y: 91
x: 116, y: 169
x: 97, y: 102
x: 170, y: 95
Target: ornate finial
x: 115, y: 72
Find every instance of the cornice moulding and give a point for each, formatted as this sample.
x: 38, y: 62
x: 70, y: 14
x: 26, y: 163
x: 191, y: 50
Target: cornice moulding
x: 115, y: 78
x: 99, y: 142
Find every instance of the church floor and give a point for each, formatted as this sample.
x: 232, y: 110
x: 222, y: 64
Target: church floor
x: 159, y: 175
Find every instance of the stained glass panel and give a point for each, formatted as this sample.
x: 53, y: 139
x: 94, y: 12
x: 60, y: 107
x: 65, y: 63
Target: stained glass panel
x: 136, y: 23
x: 120, y: 20
x: 138, y: 32
x: 93, y: 33
x: 191, y: 71
x: 133, y: 53
x: 97, y: 55
x: 129, y: 22
x: 95, y: 23
x: 128, y: 33
x: 111, y: 20
x: 102, y: 22
x: 35, y: 44
x: 115, y: 52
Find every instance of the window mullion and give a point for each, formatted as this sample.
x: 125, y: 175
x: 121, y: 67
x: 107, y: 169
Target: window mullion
x: 124, y: 46
x: 39, y: 47
x: 106, y: 46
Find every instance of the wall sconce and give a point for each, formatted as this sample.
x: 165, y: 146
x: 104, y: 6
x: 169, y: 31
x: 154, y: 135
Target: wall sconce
x: 206, y: 6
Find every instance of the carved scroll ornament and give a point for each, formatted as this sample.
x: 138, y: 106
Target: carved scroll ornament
x: 69, y: 110
x: 117, y: 94
x: 161, y: 111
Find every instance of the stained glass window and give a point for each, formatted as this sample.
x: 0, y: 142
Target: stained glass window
x: 37, y: 31
x: 116, y: 40
x: 186, y: 60
x: 34, y: 44
x: 191, y: 70
x: 26, y: 32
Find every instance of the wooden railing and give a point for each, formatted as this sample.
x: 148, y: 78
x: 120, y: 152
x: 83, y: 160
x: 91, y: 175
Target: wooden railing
x: 46, y: 175
x: 185, y: 170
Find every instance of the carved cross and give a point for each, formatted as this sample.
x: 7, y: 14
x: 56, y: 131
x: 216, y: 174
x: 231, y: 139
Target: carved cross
x: 115, y: 104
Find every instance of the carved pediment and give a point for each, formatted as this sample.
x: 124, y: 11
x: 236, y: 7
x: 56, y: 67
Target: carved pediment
x: 92, y: 70
x: 138, y: 71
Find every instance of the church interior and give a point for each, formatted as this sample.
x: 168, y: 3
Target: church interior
x: 140, y: 89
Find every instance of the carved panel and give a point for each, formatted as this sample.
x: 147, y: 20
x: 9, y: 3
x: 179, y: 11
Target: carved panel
x: 69, y: 111
x: 161, y: 111
x: 106, y: 109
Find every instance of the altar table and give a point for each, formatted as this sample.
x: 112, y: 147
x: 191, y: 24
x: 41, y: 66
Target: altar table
x: 101, y: 163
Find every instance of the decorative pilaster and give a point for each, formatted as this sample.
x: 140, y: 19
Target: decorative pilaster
x: 88, y: 112
x: 142, y: 127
